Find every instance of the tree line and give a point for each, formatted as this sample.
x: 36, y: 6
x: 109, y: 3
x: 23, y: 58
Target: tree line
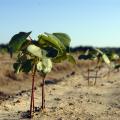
x: 4, y: 48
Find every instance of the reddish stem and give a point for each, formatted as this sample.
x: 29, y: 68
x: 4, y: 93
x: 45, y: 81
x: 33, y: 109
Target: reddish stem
x: 32, y: 93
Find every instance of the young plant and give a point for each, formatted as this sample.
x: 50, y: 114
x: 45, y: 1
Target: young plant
x: 114, y: 58
x: 38, y: 56
x: 88, y: 56
x: 101, y: 58
x: 98, y: 55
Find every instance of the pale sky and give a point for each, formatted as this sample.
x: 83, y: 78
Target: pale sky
x: 88, y: 22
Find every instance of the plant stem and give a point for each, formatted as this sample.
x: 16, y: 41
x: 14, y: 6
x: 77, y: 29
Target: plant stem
x: 88, y: 77
x: 109, y: 72
x: 43, y: 93
x: 96, y: 77
x: 97, y: 67
x: 32, y: 93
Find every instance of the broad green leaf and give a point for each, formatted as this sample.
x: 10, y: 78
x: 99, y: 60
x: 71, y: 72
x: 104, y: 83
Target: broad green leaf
x: 47, y: 65
x: 59, y: 59
x: 50, y: 52
x: 51, y: 40
x: 34, y: 50
x: 53, y: 37
x: 99, y: 51
x: 39, y: 66
x: 104, y: 56
x: 106, y: 59
x: 27, y: 66
x: 71, y: 59
x: 25, y: 45
x: 17, y: 41
x: 64, y: 38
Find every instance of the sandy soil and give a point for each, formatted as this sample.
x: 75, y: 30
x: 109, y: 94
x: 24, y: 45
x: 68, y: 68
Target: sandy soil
x: 70, y: 98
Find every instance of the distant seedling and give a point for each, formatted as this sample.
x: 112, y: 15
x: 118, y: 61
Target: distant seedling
x: 115, y: 61
x: 88, y: 56
x: 39, y: 55
x: 98, y: 56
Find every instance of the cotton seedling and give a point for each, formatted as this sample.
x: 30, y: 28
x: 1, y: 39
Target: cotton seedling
x: 87, y: 56
x: 96, y: 55
x: 114, y: 58
x: 101, y: 58
x: 38, y: 56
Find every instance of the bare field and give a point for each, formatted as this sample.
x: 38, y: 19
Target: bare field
x: 68, y: 96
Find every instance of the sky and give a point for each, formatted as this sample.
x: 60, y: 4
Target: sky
x: 87, y: 22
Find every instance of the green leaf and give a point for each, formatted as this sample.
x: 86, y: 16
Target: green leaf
x: 27, y: 66
x: 17, y: 67
x: 47, y: 65
x: 99, y: 51
x: 87, y: 52
x: 104, y: 56
x: 106, y: 59
x: 71, y: 59
x: 64, y: 38
x: 39, y: 66
x: 17, y: 41
x: 25, y: 45
x: 44, y: 66
x: 34, y: 50
x: 51, y: 40
x: 51, y: 52
x: 114, y: 56
x: 59, y: 59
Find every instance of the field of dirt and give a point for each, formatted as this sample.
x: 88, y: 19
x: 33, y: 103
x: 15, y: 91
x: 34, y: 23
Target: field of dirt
x: 68, y: 96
